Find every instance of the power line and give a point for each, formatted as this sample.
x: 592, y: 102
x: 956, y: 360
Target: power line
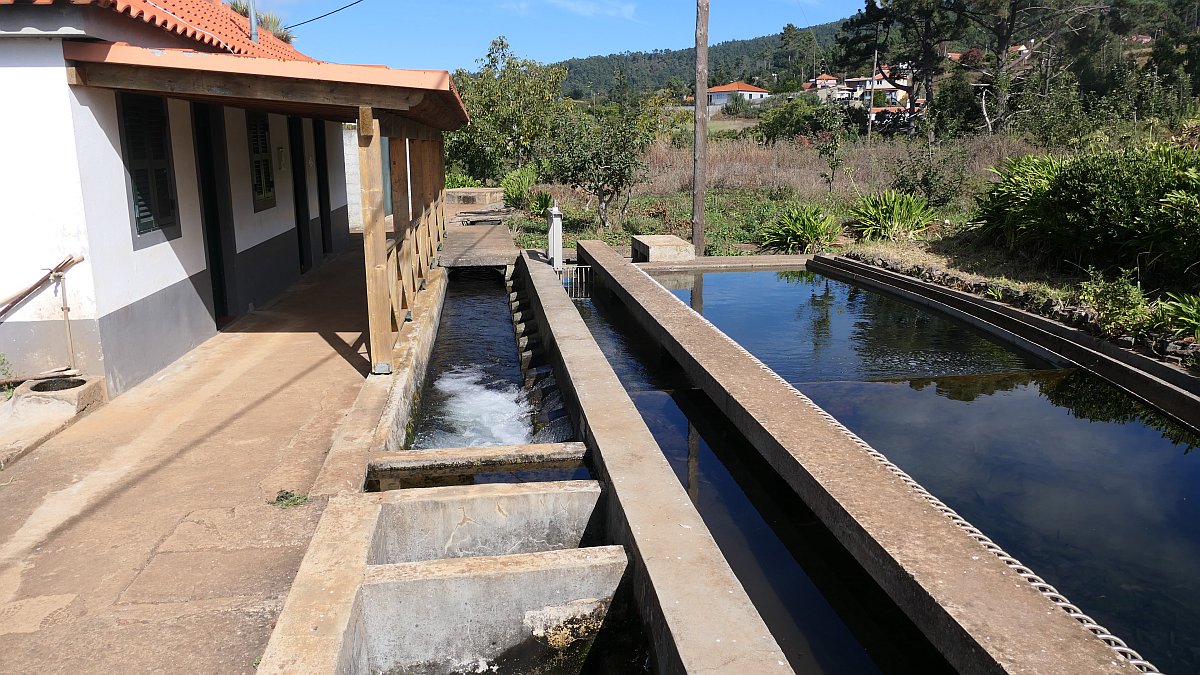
x: 323, y: 15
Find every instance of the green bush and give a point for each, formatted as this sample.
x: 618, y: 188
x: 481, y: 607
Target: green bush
x: 1180, y: 315
x: 517, y: 185
x: 1131, y: 208
x: 890, y: 215
x: 540, y: 202
x: 933, y: 173
x: 460, y: 180
x: 802, y: 228
x: 1120, y: 307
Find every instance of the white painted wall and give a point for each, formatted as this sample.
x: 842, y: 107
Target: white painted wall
x: 250, y: 228
x: 43, y: 209
x: 337, y: 164
x: 124, y: 274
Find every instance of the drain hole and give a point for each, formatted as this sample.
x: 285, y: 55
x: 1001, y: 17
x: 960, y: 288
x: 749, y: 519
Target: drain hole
x: 58, y: 384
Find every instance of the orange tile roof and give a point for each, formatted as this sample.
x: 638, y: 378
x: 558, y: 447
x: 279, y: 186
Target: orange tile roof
x: 209, y: 22
x: 826, y: 76
x: 736, y: 86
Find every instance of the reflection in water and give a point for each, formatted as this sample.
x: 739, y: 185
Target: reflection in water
x: 825, y: 612
x: 821, y: 329
x: 1090, y: 487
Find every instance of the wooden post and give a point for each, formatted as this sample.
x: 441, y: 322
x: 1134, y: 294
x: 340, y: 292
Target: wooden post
x: 428, y: 199
x: 420, y: 211
x: 400, y: 219
x: 440, y: 144
x: 700, y: 151
x: 379, y: 306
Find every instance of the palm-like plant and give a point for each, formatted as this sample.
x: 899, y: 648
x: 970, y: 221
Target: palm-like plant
x: 891, y: 215
x: 801, y: 228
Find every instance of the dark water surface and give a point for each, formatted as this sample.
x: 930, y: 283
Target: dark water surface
x: 825, y: 612
x: 1092, y: 489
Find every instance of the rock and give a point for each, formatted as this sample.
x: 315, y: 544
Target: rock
x: 1126, y: 342
x: 1176, y: 360
x: 1048, y: 306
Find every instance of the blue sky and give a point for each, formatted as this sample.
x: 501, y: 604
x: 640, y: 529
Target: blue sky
x: 450, y: 34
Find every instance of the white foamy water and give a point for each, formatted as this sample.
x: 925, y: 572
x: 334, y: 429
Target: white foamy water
x: 474, y: 414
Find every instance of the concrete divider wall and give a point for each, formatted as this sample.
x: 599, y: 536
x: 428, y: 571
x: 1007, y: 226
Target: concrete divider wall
x: 980, y: 614
x: 698, y: 614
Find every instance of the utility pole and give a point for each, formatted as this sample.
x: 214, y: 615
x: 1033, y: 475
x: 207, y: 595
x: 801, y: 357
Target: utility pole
x: 700, y: 147
x: 253, y: 16
x: 871, y: 96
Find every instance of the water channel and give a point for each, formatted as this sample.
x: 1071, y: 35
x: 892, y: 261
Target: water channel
x: 1091, y: 488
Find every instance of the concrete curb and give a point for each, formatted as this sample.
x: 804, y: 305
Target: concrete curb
x: 379, y: 417
x: 692, y: 604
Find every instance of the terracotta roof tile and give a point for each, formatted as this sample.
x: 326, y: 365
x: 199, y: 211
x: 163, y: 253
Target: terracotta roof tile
x: 736, y: 86
x: 209, y: 22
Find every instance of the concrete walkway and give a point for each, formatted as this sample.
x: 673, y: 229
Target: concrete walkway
x: 140, y: 539
x: 487, y: 244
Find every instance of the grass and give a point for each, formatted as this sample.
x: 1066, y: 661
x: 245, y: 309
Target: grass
x: 286, y: 499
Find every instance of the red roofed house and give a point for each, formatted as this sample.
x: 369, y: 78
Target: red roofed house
x: 726, y: 93
x: 198, y: 173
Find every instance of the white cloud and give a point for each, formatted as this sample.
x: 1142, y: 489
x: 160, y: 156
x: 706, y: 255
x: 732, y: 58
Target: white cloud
x: 516, y: 7
x: 622, y: 10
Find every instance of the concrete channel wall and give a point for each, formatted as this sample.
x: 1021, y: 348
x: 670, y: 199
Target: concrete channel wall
x: 698, y: 614
x: 978, y: 612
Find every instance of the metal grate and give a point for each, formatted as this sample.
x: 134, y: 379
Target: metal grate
x: 577, y: 279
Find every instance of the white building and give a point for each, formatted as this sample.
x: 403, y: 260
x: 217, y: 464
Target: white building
x: 726, y: 93
x: 198, y: 173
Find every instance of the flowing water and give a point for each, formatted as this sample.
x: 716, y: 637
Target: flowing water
x: 1094, y: 490
x: 472, y: 394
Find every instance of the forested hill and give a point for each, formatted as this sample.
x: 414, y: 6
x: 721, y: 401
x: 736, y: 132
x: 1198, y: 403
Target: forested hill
x: 674, y: 69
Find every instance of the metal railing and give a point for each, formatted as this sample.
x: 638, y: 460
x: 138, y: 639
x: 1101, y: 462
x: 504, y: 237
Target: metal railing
x: 577, y: 280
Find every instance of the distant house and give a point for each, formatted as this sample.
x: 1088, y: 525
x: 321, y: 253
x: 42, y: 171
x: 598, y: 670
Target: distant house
x: 825, y: 81
x: 1141, y: 39
x: 862, y: 88
x: 726, y: 93
x: 195, y: 171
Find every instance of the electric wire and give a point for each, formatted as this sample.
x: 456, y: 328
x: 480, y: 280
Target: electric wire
x: 323, y: 15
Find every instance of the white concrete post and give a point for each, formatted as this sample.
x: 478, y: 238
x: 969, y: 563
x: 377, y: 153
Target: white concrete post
x: 554, y: 246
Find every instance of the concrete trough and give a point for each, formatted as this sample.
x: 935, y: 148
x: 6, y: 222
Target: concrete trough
x: 978, y: 612
x: 485, y: 578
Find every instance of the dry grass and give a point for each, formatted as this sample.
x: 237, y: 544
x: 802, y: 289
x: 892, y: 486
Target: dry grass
x: 746, y: 164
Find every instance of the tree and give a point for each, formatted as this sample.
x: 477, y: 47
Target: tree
x: 908, y: 34
x: 513, y: 103
x: 1016, y: 30
x: 599, y: 150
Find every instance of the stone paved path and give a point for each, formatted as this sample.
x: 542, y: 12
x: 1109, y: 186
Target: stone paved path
x: 140, y: 539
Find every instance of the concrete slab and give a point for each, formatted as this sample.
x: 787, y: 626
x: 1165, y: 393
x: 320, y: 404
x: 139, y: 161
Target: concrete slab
x: 488, y: 245
x: 30, y: 417
x: 979, y: 613
x: 727, y: 262
x: 698, y: 613
x: 661, y: 247
x: 475, y: 196
x: 483, y: 520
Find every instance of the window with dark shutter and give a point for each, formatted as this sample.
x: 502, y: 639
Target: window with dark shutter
x: 146, y: 140
x: 262, y: 171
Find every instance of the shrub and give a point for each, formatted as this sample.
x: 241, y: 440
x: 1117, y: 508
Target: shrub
x: 1180, y: 315
x: 1120, y: 307
x: 890, y: 215
x: 460, y: 180
x: 1130, y: 208
x: 931, y: 173
x: 540, y: 202
x: 802, y: 228
x: 517, y: 185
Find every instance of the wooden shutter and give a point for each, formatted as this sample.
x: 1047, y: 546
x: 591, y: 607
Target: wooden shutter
x: 146, y: 133
x: 262, y: 170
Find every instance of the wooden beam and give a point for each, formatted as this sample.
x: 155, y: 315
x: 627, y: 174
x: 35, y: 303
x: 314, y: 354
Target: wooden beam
x: 210, y: 85
x: 379, y: 304
x: 396, y: 126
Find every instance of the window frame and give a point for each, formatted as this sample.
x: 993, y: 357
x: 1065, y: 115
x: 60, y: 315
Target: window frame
x: 265, y: 201
x: 161, y: 232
